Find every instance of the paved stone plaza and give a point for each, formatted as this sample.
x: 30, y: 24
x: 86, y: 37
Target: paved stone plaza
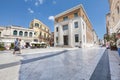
x: 60, y: 64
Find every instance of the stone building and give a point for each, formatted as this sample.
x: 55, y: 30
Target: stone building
x: 73, y: 28
x: 42, y: 32
x: 113, y: 17
x: 8, y: 34
x: 52, y: 39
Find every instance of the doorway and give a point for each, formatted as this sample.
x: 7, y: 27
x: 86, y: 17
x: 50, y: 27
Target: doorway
x: 65, y: 39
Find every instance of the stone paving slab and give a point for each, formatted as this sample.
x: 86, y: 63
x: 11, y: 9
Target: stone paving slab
x: 102, y: 71
x: 49, y: 64
x: 10, y: 64
x: 71, y: 65
x: 114, y: 67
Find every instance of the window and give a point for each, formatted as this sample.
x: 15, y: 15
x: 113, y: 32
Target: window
x: 35, y: 33
x: 75, y: 15
x: 30, y: 34
x: 36, y: 24
x: 35, y: 40
x: 0, y: 34
x: 20, y: 33
x: 65, y: 18
x: 15, y: 33
x: 40, y: 33
x: 26, y: 34
x: 56, y: 29
x: 44, y: 35
x: 76, y: 38
x: 56, y: 39
x: 41, y: 26
x: 65, y: 27
x: 118, y: 10
x: 76, y: 24
x: 83, y: 25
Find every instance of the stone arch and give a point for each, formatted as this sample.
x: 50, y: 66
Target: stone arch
x: 15, y: 32
x: 21, y: 33
x: 30, y: 34
x: 25, y: 34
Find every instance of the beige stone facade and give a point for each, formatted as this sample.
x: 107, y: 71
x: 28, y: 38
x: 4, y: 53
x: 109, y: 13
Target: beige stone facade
x: 73, y: 28
x: 113, y: 17
x: 8, y: 34
x: 42, y: 32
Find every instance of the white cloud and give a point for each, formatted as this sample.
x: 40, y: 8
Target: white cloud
x: 30, y: 10
x: 51, y: 18
x: 36, y: 3
x: 40, y: 1
x: 54, y: 2
x: 25, y: 0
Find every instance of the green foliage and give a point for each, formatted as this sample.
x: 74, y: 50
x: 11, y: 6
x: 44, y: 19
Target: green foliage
x: 12, y: 46
x: 107, y: 38
x: 113, y: 37
x: 113, y: 40
x: 2, y: 47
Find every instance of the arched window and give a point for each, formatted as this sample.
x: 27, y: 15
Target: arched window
x: 20, y: 33
x: 0, y: 34
x: 36, y: 24
x: 30, y: 34
x: 26, y: 34
x: 15, y: 32
x: 118, y: 10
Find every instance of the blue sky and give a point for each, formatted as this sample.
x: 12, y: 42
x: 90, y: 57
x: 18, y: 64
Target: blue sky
x: 22, y: 12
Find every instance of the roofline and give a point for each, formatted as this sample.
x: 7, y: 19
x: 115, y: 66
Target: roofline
x: 69, y: 10
x: 13, y: 26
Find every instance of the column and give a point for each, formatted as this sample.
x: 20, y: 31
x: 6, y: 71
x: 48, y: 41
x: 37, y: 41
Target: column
x: 60, y: 35
x: 55, y: 35
x: 70, y: 34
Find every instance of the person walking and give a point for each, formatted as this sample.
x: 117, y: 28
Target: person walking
x: 118, y: 45
x: 16, y: 48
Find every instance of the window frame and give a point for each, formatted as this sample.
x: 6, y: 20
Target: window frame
x: 14, y: 32
x: 75, y: 15
x: 65, y: 18
x: 65, y: 27
x: 76, y: 38
x: 37, y: 25
x: 76, y: 26
x: 20, y: 33
x: 25, y: 34
x: 30, y: 34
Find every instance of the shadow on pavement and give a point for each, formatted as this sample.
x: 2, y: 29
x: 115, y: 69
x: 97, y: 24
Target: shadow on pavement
x: 2, y: 66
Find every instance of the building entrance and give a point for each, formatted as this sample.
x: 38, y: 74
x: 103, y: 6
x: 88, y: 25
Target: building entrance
x: 65, y: 39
